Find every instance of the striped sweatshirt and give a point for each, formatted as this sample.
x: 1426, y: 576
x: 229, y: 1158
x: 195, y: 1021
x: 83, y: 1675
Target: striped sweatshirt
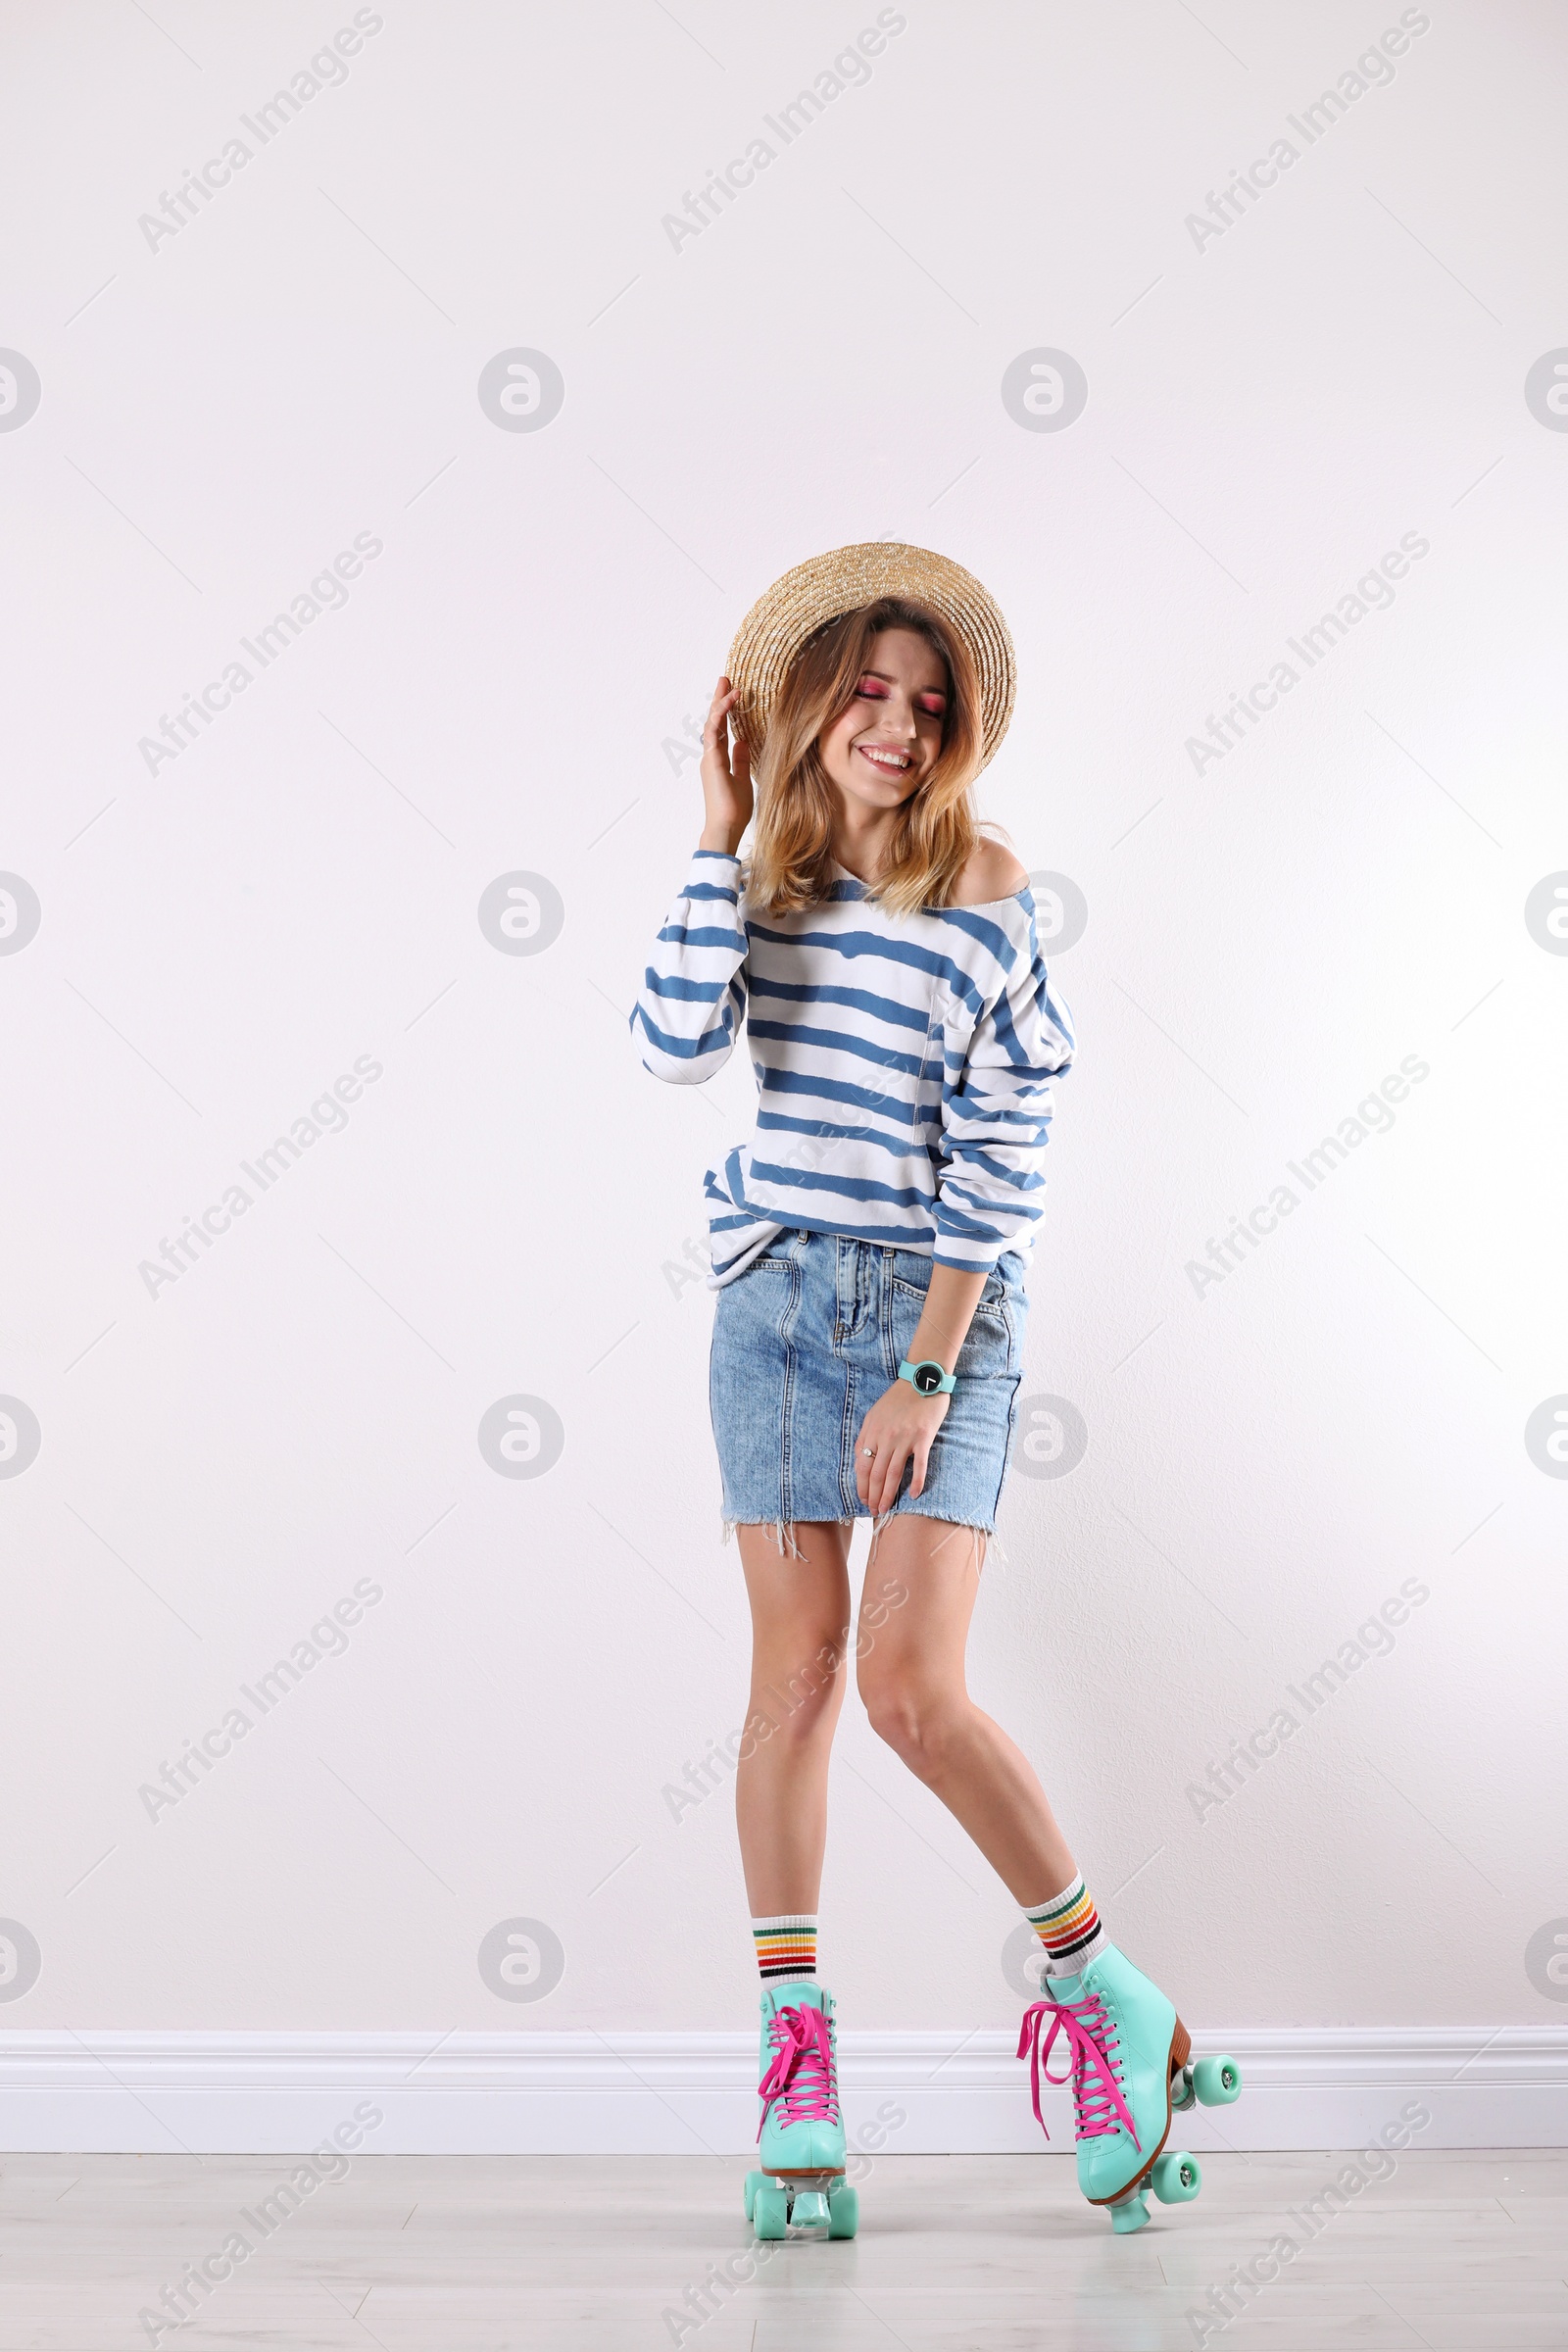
x: 903, y: 1064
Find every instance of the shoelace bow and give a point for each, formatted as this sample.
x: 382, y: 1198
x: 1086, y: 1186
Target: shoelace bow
x: 1097, y: 2107
x: 801, y: 2076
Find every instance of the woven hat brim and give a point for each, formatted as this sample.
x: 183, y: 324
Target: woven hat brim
x: 841, y: 581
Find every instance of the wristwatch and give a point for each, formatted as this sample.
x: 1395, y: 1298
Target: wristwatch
x: 928, y: 1379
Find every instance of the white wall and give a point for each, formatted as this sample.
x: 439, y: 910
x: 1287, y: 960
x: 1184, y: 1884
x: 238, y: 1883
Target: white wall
x: 511, y: 1206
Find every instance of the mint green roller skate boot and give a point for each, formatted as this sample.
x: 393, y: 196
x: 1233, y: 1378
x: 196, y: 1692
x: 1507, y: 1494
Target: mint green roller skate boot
x: 1130, y: 2070
x: 800, y: 2133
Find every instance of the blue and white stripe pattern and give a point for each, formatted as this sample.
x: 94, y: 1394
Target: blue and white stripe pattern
x: 903, y: 1064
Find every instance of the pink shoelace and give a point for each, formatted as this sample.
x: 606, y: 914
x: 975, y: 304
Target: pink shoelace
x: 801, y: 2076
x: 1097, y: 2107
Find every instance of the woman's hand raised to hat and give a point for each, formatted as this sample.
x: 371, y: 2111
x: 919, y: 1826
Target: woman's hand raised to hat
x: 726, y: 776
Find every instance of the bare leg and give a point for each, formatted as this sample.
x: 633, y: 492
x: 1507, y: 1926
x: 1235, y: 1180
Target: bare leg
x: 800, y: 1616
x: 911, y: 1679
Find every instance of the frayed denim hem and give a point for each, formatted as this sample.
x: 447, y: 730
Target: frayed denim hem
x: 782, y: 1532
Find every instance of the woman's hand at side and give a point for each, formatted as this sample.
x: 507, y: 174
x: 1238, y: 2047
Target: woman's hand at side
x: 903, y: 1424
x: 900, y: 1426
x: 726, y: 776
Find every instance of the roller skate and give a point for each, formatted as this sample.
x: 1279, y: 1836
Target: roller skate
x: 800, y: 2133
x: 1131, y: 2070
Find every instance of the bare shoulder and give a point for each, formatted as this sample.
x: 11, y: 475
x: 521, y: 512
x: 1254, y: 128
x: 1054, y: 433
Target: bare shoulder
x: 991, y: 872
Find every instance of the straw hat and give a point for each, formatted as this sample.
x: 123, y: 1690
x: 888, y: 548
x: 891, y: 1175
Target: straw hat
x: 819, y: 591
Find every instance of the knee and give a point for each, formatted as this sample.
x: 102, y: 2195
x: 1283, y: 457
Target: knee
x: 916, y: 1720
x: 793, y: 1710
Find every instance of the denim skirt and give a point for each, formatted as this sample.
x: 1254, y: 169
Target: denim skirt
x: 805, y: 1342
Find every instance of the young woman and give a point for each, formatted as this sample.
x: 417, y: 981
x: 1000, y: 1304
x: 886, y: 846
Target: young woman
x: 869, y: 1249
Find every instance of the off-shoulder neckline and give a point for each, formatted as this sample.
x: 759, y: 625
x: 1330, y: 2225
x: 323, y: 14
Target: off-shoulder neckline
x: 959, y: 906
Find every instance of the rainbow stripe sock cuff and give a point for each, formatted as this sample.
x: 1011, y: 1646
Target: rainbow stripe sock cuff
x: 786, y: 1947
x: 1069, y: 1928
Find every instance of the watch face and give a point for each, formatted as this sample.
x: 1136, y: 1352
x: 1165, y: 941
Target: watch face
x: 928, y: 1377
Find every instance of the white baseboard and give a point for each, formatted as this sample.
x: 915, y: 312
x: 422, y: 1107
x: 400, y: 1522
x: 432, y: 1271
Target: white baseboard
x: 633, y: 2094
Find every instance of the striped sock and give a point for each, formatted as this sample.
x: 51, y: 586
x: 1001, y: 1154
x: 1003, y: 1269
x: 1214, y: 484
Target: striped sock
x: 1069, y: 1928
x: 786, y: 1947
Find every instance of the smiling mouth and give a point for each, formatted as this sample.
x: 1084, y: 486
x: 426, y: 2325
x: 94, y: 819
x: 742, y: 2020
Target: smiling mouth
x: 886, y: 759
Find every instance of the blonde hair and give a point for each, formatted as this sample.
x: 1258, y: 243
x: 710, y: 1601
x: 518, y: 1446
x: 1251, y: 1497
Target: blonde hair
x: 791, y: 864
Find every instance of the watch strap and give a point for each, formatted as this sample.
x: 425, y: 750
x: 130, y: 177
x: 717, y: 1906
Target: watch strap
x: 938, y: 1388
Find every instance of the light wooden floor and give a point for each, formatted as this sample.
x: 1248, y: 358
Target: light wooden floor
x: 957, y: 2254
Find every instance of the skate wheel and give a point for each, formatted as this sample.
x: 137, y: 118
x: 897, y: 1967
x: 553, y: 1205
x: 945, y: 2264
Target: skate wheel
x: 1217, y: 2081
x: 770, y: 2212
x: 754, y: 2181
x: 1131, y: 2214
x: 1176, y: 2178
x: 1181, y: 2091
x: 843, y: 2211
